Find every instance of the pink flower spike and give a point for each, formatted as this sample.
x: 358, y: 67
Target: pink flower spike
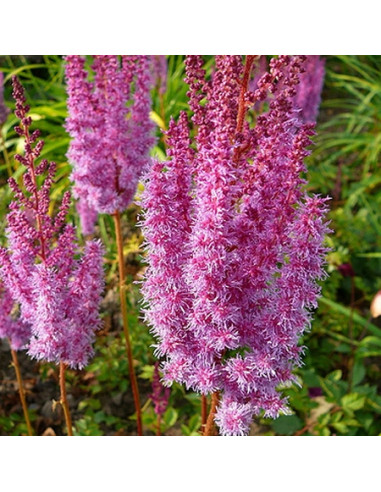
x: 234, y: 244
x: 111, y: 139
x: 56, y: 289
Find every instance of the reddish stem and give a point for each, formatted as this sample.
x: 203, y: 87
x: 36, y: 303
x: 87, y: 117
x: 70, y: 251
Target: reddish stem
x: 123, y: 304
x: 63, y: 400
x: 35, y: 193
x: 210, y: 427
x: 204, y: 412
x: 16, y: 365
x: 242, y: 106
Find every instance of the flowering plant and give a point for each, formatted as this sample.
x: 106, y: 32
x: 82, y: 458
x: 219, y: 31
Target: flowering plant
x: 234, y: 242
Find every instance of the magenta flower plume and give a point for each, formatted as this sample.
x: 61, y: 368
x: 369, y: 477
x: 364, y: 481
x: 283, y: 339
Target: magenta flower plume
x: 159, y: 72
x: 58, y: 291
x: 4, y: 111
x: 234, y: 244
x: 308, y: 93
x: 160, y: 394
x: 11, y: 327
x: 259, y: 70
x: 110, y: 138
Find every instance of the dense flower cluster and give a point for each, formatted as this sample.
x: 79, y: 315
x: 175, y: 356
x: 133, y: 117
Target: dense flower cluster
x: 259, y: 70
x: 160, y: 394
x: 159, y: 69
x: 11, y: 327
x: 3, y: 108
x: 234, y: 244
x: 308, y: 94
x: 57, y: 290
x: 110, y: 138
x: 308, y: 91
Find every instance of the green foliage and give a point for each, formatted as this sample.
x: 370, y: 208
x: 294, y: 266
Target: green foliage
x: 14, y: 424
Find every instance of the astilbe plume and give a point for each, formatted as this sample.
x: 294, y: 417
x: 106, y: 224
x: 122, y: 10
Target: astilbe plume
x: 110, y: 138
x: 160, y: 394
x: 159, y: 71
x: 259, y: 70
x: 11, y: 327
x: 4, y: 111
x: 58, y: 291
x: 308, y: 92
x: 234, y: 244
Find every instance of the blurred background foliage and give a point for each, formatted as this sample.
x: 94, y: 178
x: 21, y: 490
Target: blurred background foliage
x: 340, y: 383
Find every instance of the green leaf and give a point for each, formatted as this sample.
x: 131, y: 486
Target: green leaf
x: 340, y: 427
x: 365, y: 420
x: 353, y: 401
x: 358, y: 372
x: 170, y: 417
x: 335, y: 375
x: 351, y: 423
x: 332, y: 385
x: 147, y: 372
x: 186, y: 431
x: 310, y: 378
x: 195, y: 423
x: 325, y: 431
x: 89, y: 403
x: 369, y: 255
x: 355, y: 316
x: 287, y: 425
x: 375, y: 403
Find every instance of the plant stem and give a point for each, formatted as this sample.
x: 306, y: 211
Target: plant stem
x: 16, y: 365
x: 36, y: 198
x: 158, y: 423
x: 123, y: 305
x: 210, y: 428
x: 242, y: 106
x: 204, y: 412
x: 63, y: 400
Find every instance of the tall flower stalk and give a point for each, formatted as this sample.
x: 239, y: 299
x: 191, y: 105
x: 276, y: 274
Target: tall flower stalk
x: 109, y: 149
x: 308, y: 92
x: 159, y: 396
x: 160, y: 69
x: 57, y: 290
x: 3, y: 108
x: 18, y: 334
x: 234, y: 243
x: 4, y: 111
